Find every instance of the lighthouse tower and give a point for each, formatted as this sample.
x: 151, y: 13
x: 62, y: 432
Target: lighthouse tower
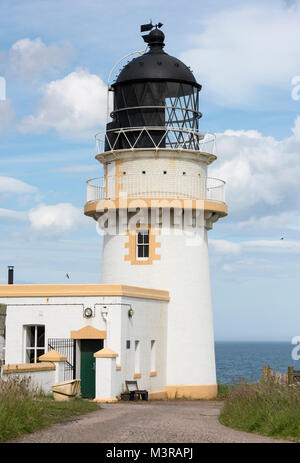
x: 156, y: 203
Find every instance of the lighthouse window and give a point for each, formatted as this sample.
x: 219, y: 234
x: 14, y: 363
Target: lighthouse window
x: 142, y: 243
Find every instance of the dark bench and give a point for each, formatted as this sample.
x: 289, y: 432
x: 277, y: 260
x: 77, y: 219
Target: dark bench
x: 135, y: 392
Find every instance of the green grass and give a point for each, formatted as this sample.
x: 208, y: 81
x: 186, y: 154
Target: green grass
x: 24, y: 410
x: 266, y: 408
x: 223, y: 391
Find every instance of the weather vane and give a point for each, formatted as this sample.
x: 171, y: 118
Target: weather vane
x: 149, y: 26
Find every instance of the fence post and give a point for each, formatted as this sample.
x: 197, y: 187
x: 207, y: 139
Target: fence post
x: 278, y: 377
x: 265, y: 372
x: 290, y: 375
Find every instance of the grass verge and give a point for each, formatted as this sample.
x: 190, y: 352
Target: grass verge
x: 24, y: 410
x: 265, y: 408
x: 223, y: 391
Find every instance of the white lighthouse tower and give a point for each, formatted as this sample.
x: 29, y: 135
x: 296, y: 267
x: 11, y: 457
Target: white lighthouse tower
x: 156, y: 203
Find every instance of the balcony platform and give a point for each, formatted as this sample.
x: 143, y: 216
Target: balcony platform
x: 97, y: 208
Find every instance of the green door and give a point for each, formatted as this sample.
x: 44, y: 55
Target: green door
x: 87, y: 366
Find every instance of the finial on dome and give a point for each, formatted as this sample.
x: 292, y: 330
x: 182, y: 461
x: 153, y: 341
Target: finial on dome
x: 155, y: 37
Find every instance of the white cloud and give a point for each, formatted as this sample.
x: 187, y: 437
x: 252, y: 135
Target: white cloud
x: 289, y: 220
x: 73, y: 106
x: 225, y: 247
x: 14, y: 186
x: 6, y: 116
x: 55, y: 220
x: 262, y: 173
x: 274, y: 245
x: 27, y: 59
x: 243, y: 53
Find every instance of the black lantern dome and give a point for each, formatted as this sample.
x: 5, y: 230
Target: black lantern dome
x: 156, y: 65
x: 158, y: 92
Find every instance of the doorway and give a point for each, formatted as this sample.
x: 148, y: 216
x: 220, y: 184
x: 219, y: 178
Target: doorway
x: 88, y: 366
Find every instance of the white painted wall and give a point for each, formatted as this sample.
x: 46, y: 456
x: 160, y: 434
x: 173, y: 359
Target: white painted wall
x: 60, y: 315
x: 183, y: 270
x: 149, y: 322
x: 158, y: 166
x: 42, y: 380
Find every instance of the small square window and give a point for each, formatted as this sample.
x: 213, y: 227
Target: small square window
x: 127, y: 344
x: 142, y: 244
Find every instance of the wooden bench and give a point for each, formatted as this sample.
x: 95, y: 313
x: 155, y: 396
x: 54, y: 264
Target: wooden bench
x: 135, y: 392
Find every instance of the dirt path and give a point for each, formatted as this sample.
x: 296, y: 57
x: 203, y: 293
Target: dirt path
x: 154, y: 422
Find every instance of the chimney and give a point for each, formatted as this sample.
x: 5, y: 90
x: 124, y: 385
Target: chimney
x: 10, y: 275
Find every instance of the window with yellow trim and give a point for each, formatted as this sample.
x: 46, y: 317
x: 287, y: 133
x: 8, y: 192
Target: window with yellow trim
x: 142, y: 244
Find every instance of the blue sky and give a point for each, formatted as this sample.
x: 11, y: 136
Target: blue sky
x: 56, y: 56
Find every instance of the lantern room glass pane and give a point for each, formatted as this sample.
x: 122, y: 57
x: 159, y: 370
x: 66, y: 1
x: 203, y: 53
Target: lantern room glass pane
x: 162, y: 104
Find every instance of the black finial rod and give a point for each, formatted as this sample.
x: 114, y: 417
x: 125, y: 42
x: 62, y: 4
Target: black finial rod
x: 10, y: 275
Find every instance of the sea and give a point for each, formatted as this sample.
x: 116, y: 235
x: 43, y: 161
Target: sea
x: 244, y: 360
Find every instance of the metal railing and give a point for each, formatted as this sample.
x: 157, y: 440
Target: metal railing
x: 166, y: 137
x: 157, y: 186
x: 66, y: 347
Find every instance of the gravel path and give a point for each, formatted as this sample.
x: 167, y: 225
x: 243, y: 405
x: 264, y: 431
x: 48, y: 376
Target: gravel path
x: 154, y: 422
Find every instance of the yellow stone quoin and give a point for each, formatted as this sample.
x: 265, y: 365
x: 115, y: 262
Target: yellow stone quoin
x: 131, y: 246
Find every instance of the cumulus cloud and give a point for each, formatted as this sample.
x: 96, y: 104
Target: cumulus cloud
x: 28, y: 59
x: 73, y: 106
x: 242, y: 54
x: 51, y: 221
x: 262, y: 173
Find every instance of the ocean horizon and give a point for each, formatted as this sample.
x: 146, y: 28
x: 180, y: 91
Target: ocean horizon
x: 245, y: 359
